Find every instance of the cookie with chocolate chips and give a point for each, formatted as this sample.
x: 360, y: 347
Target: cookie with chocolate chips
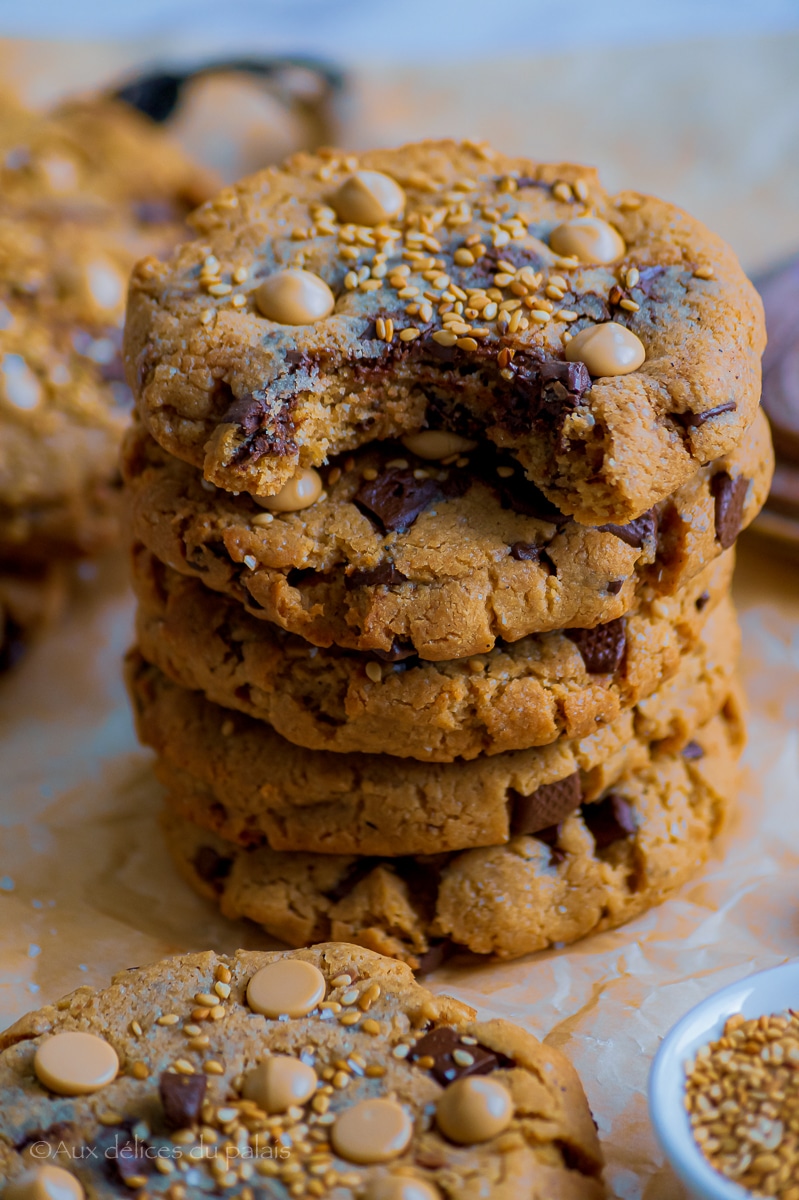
x: 234, y: 775
x: 611, y: 344
x: 328, y: 1057
x: 442, y: 558
x: 605, y: 862
x: 527, y: 693
x: 86, y: 191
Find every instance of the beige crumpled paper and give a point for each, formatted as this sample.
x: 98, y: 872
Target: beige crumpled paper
x: 86, y: 887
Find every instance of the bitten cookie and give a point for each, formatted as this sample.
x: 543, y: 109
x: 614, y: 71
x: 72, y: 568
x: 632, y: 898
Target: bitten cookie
x: 85, y: 191
x: 608, y: 862
x: 400, y: 556
x: 526, y: 693
x: 611, y: 343
x: 235, y: 776
x: 326, y: 1072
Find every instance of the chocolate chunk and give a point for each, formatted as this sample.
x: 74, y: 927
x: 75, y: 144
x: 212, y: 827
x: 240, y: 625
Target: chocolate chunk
x: 635, y: 533
x: 182, y: 1098
x: 129, y: 1159
x: 547, y: 805
x: 550, y: 837
x: 525, y: 552
x: 693, y: 751
x: 615, y: 586
x: 541, y: 393
x: 400, y: 651
x: 380, y: 576
x: 520, y: 494
x: 397, y: 498
x: 602, y: 647
x: 609, y: 820
x: 212, y: 867
x: 435, y: 955
x: 729, y: 495
x: 439, y: 1044
x: 692, y: 420
x: 648, y: 278
x: 247, y: 412
x: 701, y: 601
x: 268, y: 428
x: 527, y: 181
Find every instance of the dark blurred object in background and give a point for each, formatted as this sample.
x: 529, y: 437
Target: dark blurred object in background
x: 240, y: 115
x: 779, y: 521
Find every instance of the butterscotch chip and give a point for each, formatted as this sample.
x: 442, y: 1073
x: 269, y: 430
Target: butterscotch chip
x: 290, y: 987
x: 474, y: 1110
x: 302, y: 490
x: 373, y: 1131
x: 279, y: 1082
x: 366, y: 1129
x: 437, y: 443
x: 75, y: 1063
x: 294, y: 297
x: 368, y: 198
x: 607, y: 349
x: 589, y: 239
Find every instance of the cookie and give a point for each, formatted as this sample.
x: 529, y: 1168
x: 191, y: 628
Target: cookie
x: 367, y: 1087
x: 521, y: 694
x: 490, y: 559
x: 780, y: 292
x: 612, y: 344
x: 30, y: 599
x: 235, y: 776
x: 75, y: 215
x: 601, y: 866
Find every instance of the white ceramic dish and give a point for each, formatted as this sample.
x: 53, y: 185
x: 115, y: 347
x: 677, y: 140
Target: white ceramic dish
x: 758, y: 995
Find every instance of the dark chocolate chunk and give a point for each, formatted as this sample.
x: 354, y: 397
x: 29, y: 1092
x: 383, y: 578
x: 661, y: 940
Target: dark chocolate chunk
x: 525, y: 552
x: 12, y: 644
x: 615, y: 586
x: 609, y: 820
x: 550, y: 837
x: 602, y: 647
x: 130, y: 1160
x: 693, y: 751
x: 692, y: 420
x: 182, y: 1098
x: 541, y: 393
x: 547, y: 805
x: 439, y: 1044
x: 397, y: 498
x: 701, y: 601
x: 382, y: 575
x: 268, y: 428
x: 247, y: 412
x: 519, y: 493
x: 635, y: 533
x: 400, y: 651
x: 729, y: 495
x: 436, y: 954
x: 211, y: 867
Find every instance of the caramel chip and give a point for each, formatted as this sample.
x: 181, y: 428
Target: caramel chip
x: 607, y: 349
x: 400, y: 1187
x: 435, y: 444
x: 294, y: 297
x: 279, y: 1082
x: 368, y: 198
x: 75, y: 1063
x: 372, y: 1131
x: 289, y: 987
x: 474, y: 1110
x: 44, y: 1183
x: 589, y: 239
x: 301, y: 491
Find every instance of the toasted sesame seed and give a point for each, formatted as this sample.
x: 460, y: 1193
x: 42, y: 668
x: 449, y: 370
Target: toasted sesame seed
x: 265, y: 518
x: 705, y: 272
x: 374, y: 671
x: 463, y: 1058
x: 567, y: 264
x: 401, y: 1051
x: 409, y: 335
x: 566, y: 314
x: 629, y: 305
x: 444, y: 338
x: 540, y: 317
x: 632, y: 277
x: 238, y: 301
x: 562, y: 191
x: 466, y: 343
x: 183, y: 1066
x: 139, y: 1070
x: 212, y: 1067
x: 220, y: 289
x: 135, y: 1028
x: 369, y: 473
x: 371, y: 1026
x: 222, y: 989
x: 168, y: 1019
x: 216, y: 1014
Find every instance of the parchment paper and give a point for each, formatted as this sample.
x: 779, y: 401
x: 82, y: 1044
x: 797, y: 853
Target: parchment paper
x: 85, y: 885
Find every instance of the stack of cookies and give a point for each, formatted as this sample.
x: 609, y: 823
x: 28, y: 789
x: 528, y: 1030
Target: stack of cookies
x: 85, y: 191
x: 439, y: 463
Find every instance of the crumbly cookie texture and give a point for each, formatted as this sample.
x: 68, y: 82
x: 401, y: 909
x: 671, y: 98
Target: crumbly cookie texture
x: 479, y: 556
x: 598, y: 868
x: 520, y: 694
x: 75, y: 214
x: 448, y: 300
x: 346, y: 1096
x: 233, y: 775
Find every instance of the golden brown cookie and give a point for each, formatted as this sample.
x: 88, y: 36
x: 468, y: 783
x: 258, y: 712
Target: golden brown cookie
x: 611, y: 343
x: 526, y: 693
x: 234, y: 775
x: 479, y: 556
x: 326, y: 1072
x: 606, y: 863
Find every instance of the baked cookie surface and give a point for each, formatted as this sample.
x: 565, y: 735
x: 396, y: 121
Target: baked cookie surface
x: 367, y: 1087
x: 444, y: 286
x: 608, y: 862
x: 521, y: 694
x: 235, y: 776
x: 463, y: 556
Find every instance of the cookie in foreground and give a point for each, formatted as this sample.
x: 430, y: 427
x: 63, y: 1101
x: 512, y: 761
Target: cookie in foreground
x: 319, y: 1072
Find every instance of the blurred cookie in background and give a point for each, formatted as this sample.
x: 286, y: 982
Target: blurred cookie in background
x: 779, y: 520
x: 85, y: 191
